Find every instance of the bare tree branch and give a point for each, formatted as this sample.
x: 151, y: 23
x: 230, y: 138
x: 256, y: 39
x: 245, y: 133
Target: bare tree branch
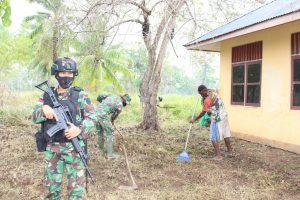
x: 153, y: 7
x: 123, y: 22
x: 170, y: 12
x: 99, y: 3
x: 140, y: 6
x: 191, y: 15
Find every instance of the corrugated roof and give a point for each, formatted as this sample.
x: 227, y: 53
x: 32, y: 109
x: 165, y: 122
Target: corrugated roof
x: 269, y: 11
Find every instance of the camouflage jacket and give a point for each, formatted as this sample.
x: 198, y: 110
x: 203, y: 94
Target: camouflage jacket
x: 84, y: 103
x: 111, y: 105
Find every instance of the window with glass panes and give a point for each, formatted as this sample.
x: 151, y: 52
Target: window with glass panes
x: 246, y: 74
x: 295, y: 87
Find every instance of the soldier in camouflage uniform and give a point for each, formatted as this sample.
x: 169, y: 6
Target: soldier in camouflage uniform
x: 60, y: 154
x: 109, y: 108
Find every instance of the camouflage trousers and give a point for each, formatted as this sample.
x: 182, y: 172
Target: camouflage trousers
x: 61, y: 157
x: 105, y: 126
x: 105, y: 131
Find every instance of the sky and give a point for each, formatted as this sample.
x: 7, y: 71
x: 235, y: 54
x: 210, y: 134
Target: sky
x: 21, y: 9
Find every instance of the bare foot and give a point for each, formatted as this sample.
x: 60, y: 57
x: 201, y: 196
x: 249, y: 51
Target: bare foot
x: 229, y: 154
x: 217, y: 158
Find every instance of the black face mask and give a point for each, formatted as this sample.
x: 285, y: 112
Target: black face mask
x: 65, y: 82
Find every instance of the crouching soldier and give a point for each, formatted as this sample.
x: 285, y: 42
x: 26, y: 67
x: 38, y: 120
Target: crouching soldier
x: 110, y: 106
x: 60, y: 155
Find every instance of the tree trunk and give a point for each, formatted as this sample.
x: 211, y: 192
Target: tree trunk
x: 150, y: 120
x: 55, y: 38
x: 54, y: 46
x: 152, y: 77
x: 148, y: 97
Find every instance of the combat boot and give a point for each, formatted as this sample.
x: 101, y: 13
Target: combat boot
x: 101, y: 144
x: 110, y: 149
x: 101, y: 141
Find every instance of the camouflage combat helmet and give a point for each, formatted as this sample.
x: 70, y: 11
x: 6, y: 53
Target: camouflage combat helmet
x: 64, y: 64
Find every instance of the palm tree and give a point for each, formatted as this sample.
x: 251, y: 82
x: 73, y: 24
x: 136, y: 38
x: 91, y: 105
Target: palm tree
x: 103, y: 70
x: 49, y: 30
x: 52, y: 35
x: 102, y: 66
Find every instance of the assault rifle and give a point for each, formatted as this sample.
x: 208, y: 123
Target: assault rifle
x: 63, y: 118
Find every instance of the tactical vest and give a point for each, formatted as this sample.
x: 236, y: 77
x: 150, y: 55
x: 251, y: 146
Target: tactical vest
x: 72, y: 104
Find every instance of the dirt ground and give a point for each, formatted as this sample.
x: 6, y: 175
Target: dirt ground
x: 255, y: 172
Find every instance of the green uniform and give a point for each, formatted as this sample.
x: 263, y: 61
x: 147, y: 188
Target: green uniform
x: 107, y: 111
x: 61, y: 156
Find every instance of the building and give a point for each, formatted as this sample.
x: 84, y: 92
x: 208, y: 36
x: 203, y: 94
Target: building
x: 260, y: 73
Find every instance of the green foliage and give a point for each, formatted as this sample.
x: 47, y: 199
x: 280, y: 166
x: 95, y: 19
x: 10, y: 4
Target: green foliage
x: 102, y: 70
x: 102, y: 67
x: 173, y: 78
x: 42, y: 61
x: 178, y: 110
x: 177, y: 83
x: 182, y: 111
x: 132, y: 114
x: 174, y: 109
x: 16, y: 52
x: 14, y: 48
x: 5, y: 12
x: 205, y: 70
x: 139, y: 64
x: 50, y: 33
x: 5, y: 49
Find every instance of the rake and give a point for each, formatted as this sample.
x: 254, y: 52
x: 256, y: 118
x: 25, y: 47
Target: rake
x: 184, y: 156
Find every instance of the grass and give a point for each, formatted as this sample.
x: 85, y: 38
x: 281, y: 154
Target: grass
x: 17, y: 108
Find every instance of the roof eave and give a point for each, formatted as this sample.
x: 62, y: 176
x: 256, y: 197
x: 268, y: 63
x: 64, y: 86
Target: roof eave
x: 205, y: 45
x: 210, y: 47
